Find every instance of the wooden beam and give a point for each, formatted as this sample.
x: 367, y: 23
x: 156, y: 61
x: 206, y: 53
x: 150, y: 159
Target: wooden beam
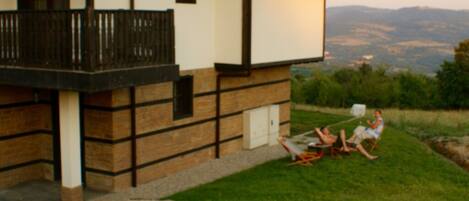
x: 132, y: 4
x: 90, y: 39
x: 90, y: 4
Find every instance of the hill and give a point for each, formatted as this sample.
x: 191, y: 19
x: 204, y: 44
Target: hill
x: 417, y: 38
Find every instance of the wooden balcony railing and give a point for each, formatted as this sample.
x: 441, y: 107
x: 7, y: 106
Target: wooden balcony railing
x: 60, y: 40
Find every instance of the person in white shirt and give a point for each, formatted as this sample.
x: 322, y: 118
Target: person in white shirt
x: 373, y: 132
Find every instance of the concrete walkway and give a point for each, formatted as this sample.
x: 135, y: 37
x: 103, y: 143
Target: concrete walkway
x: 39, y: 191
x: 202, y: 174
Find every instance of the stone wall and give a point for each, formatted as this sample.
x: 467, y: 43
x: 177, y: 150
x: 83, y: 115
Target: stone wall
x: 164, y: 145
x: 26, y: 137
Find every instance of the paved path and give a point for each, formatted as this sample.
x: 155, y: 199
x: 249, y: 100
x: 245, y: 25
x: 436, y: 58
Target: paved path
x: 39, y: 191
x: 202, y: 174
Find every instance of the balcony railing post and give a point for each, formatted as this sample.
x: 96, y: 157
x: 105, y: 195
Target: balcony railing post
x: 90, y: 37
x: 171, y: 37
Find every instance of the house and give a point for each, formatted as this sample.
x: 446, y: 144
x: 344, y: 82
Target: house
x: 114, y: 94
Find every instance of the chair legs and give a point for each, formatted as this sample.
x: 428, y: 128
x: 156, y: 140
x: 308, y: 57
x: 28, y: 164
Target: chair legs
x: 372, y: 144
x: 307, y: 159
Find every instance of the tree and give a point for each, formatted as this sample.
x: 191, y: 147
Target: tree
x: 296, y: 90
x: 454, y: 78
x: 415, y: 91
x: 324, y: 91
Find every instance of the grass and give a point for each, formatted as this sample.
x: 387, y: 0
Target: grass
x: 304, y: 121
x: 420, y: 123
x: 406, y: 170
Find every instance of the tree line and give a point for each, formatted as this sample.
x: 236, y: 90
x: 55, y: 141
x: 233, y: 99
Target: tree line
x: 377, y: 88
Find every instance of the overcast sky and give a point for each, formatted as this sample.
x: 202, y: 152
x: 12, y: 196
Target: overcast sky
x: 449, y: 4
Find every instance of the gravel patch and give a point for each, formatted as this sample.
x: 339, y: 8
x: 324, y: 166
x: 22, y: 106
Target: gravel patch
x: 198, y: 175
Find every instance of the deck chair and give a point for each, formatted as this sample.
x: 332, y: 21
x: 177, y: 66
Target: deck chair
x: 372, y: 143
x: 333, y: 151
x: 301, y: 156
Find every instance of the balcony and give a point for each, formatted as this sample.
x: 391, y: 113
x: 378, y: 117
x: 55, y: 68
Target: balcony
x: 87, y: 51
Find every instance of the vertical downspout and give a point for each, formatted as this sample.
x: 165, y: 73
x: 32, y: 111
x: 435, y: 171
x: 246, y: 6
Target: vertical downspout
x: 245, y: 71
x: 217, y: 123
x: 133, y: 130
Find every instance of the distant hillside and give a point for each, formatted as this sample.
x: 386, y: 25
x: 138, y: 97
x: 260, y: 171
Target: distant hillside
x: 416, y: 38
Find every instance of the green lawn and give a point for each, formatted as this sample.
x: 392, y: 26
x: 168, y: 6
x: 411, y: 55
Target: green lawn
x: 303, y: 121
x: 406, y: 170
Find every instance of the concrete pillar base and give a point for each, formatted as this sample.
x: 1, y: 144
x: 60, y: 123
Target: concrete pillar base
x: 72, y: 194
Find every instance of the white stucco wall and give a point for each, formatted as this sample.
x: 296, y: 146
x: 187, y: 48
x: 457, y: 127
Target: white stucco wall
x: 287, y: 30
x: 112, y: 4
x: 77, y: 4
x: 8, y: 4
x: 195, y: 34
x: 228, y: 31
x: 195, y: 44
x: 211, y: 31
x: 152, y: 4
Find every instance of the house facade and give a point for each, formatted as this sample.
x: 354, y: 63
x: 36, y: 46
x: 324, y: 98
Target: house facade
x: 115, y: 94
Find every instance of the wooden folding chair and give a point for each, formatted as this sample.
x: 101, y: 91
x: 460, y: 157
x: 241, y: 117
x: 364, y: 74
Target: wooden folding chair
x: 302, y: 157
x: 372, y: 144
x: 333, y: 151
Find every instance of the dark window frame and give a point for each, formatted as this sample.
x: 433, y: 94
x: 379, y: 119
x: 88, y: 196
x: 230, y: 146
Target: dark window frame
x: 187, y: 1
x: 183, y: 93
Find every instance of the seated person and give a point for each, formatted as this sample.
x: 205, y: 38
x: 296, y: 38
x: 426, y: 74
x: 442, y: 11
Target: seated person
x: 327, y: 138
x: 361, y: 133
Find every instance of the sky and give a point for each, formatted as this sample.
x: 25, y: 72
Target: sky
x: 447, y: 4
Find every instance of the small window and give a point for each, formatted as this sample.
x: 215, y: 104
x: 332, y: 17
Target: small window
x: 187, y: 1
x: 183, y: 97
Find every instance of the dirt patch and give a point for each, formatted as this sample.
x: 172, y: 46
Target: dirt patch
x: 422, y: 44
x: 347, y: 41
x: 454, y: 148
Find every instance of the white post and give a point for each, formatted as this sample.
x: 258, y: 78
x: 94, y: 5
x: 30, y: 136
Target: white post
x: 69, y: 112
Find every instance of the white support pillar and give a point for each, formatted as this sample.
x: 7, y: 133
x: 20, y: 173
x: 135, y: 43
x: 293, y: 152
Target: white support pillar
x: 69, y: 112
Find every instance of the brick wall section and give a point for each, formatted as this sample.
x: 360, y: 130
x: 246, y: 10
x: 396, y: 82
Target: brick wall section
x: 15, y: 95
x: 231, y: 127
x: 154, y: 92
x: 160, y: 116
x: 160, y: 170
x: 102, y: 182
x: 264, y: 87
x: 257, y: 76
x: 23, y: 119
x: 26, y: 150
x: 24, y: 174
x: 168, y: 144
x: 231, y: 147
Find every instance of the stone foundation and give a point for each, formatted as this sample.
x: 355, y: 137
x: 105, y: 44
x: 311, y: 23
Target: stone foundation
x: 165, y: 145
x: 72, y: 194
x: 26, y: 137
